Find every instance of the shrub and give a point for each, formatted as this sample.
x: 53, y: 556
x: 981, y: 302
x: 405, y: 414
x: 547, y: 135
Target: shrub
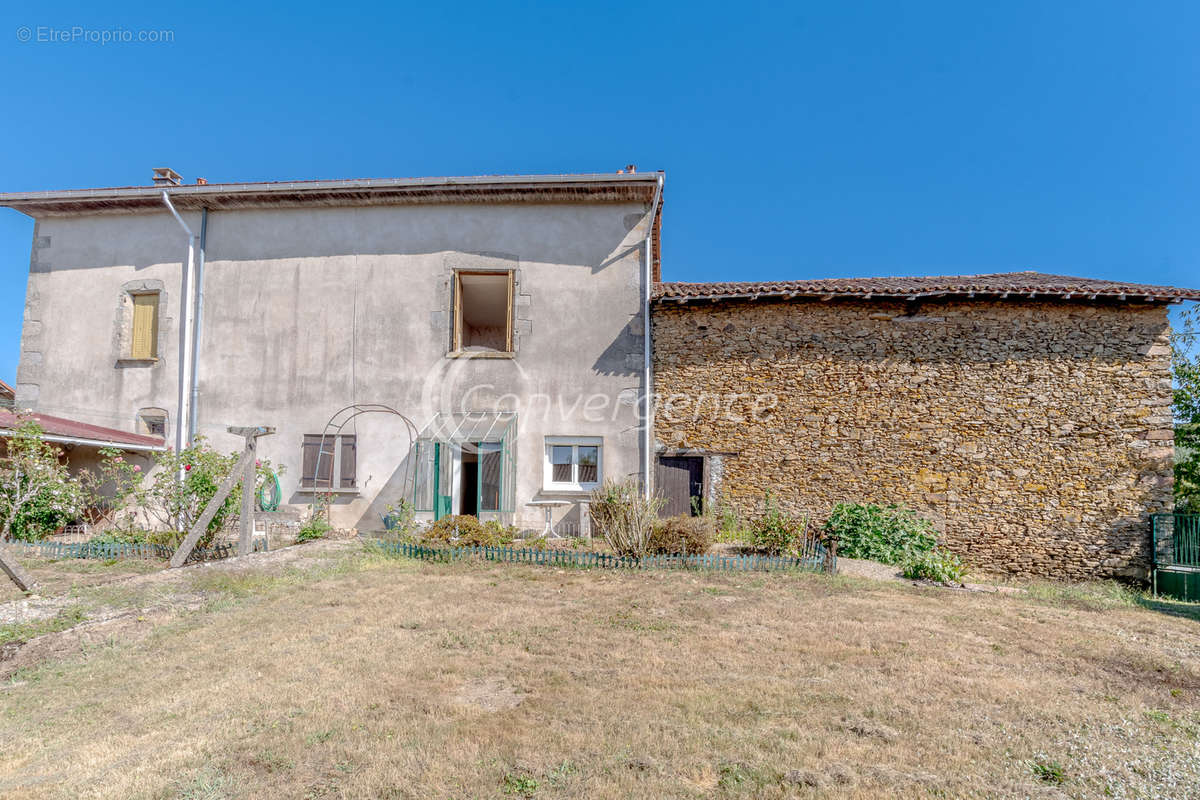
x: 726, y: 521
x: 316, y: 528
x: 501, y: 533
x: 461, y: 530
x: 624, y: 516
x: 37, y: 494
x: 119, y: 536
x: 933, y: 565
x: 682, y: 534
x: 400, y: 518
x: 889, y: 534
x: 114, y: 494
x: 177, y: 504
x: 46, y: 512
x: 776, y: 532
x: 170, y: 539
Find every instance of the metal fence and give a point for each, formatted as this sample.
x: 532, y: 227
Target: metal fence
x: 1175, y: 547
x: 816, y: 561
x: 113, y: 550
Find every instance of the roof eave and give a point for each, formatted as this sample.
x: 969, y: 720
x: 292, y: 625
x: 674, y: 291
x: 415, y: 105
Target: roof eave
x: 130, y: 447
x: 629, y: 187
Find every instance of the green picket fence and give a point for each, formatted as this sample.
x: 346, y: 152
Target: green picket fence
x: 587, y: 560
x: 114, y: 550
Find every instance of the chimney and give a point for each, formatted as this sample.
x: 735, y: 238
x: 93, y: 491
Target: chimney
x: 202, y: 181
x: 631, y: 168
x: 165, y: 176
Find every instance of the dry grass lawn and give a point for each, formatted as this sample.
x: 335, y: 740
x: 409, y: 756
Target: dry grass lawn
x: 368, y: 677
x: 58, y: 576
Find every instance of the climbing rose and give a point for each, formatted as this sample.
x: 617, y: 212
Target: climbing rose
x: 187, y: 468
x: 137, y: 468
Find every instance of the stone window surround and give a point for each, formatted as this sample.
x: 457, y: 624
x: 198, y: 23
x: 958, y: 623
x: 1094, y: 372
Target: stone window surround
x: 442, y: 320
x: 141, y: 420
x: 123, y: 333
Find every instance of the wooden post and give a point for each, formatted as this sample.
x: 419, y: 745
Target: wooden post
x: 245, y: 470
x: 249, y: 474
x: 830, y: 554
x: 245, y: 539
x: 14, y: 571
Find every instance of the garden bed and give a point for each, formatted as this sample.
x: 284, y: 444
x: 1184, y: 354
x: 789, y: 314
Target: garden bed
x: 591, y: 559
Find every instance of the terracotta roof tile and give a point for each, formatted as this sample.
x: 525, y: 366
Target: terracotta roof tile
x: 1037, y: 284
x: 71, y: 430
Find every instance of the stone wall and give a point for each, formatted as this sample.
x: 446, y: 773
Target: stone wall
x: 1036, y: 434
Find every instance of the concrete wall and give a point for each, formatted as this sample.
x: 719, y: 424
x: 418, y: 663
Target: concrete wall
x: 1037, y: 435
x: 309, y: 310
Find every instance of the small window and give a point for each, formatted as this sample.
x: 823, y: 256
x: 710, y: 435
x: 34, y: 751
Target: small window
x: 144, y: 335
x: 152, y: 422
x: 319, y: 465
x: 573, y: 463
x: 482, y: 312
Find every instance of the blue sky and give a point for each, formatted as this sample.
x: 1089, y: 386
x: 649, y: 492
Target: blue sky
x: 800, y: 140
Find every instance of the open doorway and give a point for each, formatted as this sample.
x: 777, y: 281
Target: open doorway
x: 469, y: 483
x: 479, y: 477
x: 465, y: 465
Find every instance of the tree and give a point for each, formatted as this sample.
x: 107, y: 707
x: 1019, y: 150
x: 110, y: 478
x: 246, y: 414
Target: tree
x: 36, y: 493
x: 1185, y: 370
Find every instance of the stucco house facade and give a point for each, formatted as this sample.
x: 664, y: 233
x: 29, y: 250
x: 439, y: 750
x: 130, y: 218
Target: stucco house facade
x: 1027, y: 415
x: 492, y: 329
x: 500, y: 345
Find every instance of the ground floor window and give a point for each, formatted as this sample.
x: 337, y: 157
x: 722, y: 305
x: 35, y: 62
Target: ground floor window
x: 572, y: 463
x: 152, y: 421
x: 329, y: 462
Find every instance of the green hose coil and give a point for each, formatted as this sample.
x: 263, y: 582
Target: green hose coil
x: 269, y: 494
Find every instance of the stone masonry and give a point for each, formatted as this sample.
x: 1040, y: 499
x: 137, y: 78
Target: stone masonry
x: 1036, y: 434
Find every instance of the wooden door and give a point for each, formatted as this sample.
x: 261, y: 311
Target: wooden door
x: 680, y: 481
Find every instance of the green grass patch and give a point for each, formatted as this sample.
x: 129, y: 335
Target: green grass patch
x: 24, y: 631
x: 1107, y: 596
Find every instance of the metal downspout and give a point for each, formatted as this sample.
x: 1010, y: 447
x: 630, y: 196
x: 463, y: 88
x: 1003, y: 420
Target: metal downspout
x: 647, y: 378
x: 185, y: 337
x: 197, y: 324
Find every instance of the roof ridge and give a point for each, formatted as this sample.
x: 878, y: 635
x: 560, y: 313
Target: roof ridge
x: 1025, y: 282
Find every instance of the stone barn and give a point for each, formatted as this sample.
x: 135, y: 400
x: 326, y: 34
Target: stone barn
x: 1027, y: 415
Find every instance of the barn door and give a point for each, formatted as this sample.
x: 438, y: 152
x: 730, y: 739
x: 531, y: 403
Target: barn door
x: 680, y: 482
